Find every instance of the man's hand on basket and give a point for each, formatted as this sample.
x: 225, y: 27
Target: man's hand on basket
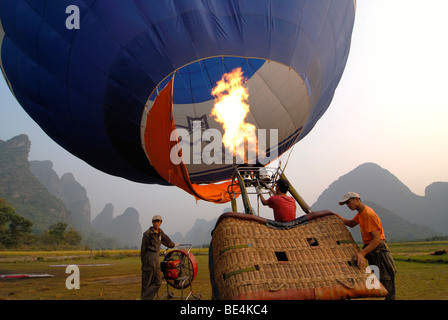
x: 361, y: 261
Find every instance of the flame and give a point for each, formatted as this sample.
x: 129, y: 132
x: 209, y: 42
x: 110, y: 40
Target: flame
x: 230, y: 109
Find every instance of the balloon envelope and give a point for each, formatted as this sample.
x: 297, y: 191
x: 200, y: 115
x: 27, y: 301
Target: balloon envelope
x: 90, y: 89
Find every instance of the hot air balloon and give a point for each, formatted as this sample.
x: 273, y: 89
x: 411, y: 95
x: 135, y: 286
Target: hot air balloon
x: 89, y: 73
x: 131, y: 87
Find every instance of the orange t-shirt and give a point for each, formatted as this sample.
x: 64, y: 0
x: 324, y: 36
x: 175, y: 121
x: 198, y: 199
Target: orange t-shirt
x: 369, y: 221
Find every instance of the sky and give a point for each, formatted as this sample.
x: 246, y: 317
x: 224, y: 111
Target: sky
x: 390, y: 108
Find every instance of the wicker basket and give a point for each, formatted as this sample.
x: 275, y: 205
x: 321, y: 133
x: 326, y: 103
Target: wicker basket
x: 249, y: 260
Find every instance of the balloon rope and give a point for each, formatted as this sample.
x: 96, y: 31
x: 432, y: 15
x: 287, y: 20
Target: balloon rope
x: 287, y: 159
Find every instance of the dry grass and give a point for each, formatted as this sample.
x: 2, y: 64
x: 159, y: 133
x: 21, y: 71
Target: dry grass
x: 420, y: 275
x: 116, y: 276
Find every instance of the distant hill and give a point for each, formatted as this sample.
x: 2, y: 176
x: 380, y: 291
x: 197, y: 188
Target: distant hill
x: 22, y: 190
x: 378, y: 186
x: 201, y: 232
x: 125, y: 228
x: 36, y: 192
x: 198, y: 235
x: 73, y: 194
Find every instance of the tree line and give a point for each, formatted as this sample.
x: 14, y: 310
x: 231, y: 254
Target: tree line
x: 16, y: 232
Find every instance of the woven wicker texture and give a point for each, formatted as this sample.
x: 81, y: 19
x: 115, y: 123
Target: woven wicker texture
x: 249, y: 257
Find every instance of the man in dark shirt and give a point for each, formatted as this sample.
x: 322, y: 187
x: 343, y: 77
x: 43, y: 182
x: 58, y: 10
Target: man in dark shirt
x: 149, y: 255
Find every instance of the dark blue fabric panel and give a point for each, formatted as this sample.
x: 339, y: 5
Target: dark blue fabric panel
x: 303, y: 54
x: 64, y: 129
x: 257, y: 7
x: 53, y: 52
x: 283, y: 33
x: 85, y: 76
x: 121, y: 18
x: 227, y: 27
x: 7, y: 16
x: 88, y: 2
x: 199, y: 28
x: 121, y: 128
x: 313, y: 11
x: 181, y: 51
x: 41, y: 116
x: 50, y: 83
x: 27, y: 23
x: 326, y: 54
x: 96, y: 141
x: 91, y: 115
x: 28, y: 72
x: 317, y: 113
x: 257, y: 39
x: 38, y: 6
x: 344, y: 24
x: 149, y: 55
x: 10, y: 55
x: 124, y: 92
x: 287, y: 10
x: 123, y: 102
x: 96, y: 43
x: 151, y: 13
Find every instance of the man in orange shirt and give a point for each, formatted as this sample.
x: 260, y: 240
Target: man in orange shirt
x: 375, y: 249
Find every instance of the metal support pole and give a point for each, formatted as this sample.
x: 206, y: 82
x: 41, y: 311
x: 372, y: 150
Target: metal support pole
x: 305, y: 207
x: 233, y: 203
x: 244, y: 197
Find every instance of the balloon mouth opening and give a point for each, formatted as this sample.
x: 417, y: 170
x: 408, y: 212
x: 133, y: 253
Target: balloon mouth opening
x: 279, y: 105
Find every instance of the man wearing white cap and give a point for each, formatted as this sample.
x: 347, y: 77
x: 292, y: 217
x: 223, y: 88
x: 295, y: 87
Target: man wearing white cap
x: 375, y: 249
x: 149, y: 255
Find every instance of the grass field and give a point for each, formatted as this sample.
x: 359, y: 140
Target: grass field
x: 104, y: 275
x: 115, y: 275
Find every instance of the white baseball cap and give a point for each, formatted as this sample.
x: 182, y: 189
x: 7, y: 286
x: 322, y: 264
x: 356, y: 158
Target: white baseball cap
x: 348, y: 196
x: 157, y: 217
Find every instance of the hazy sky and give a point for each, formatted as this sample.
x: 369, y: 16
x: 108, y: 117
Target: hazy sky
x: 390, y: 108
